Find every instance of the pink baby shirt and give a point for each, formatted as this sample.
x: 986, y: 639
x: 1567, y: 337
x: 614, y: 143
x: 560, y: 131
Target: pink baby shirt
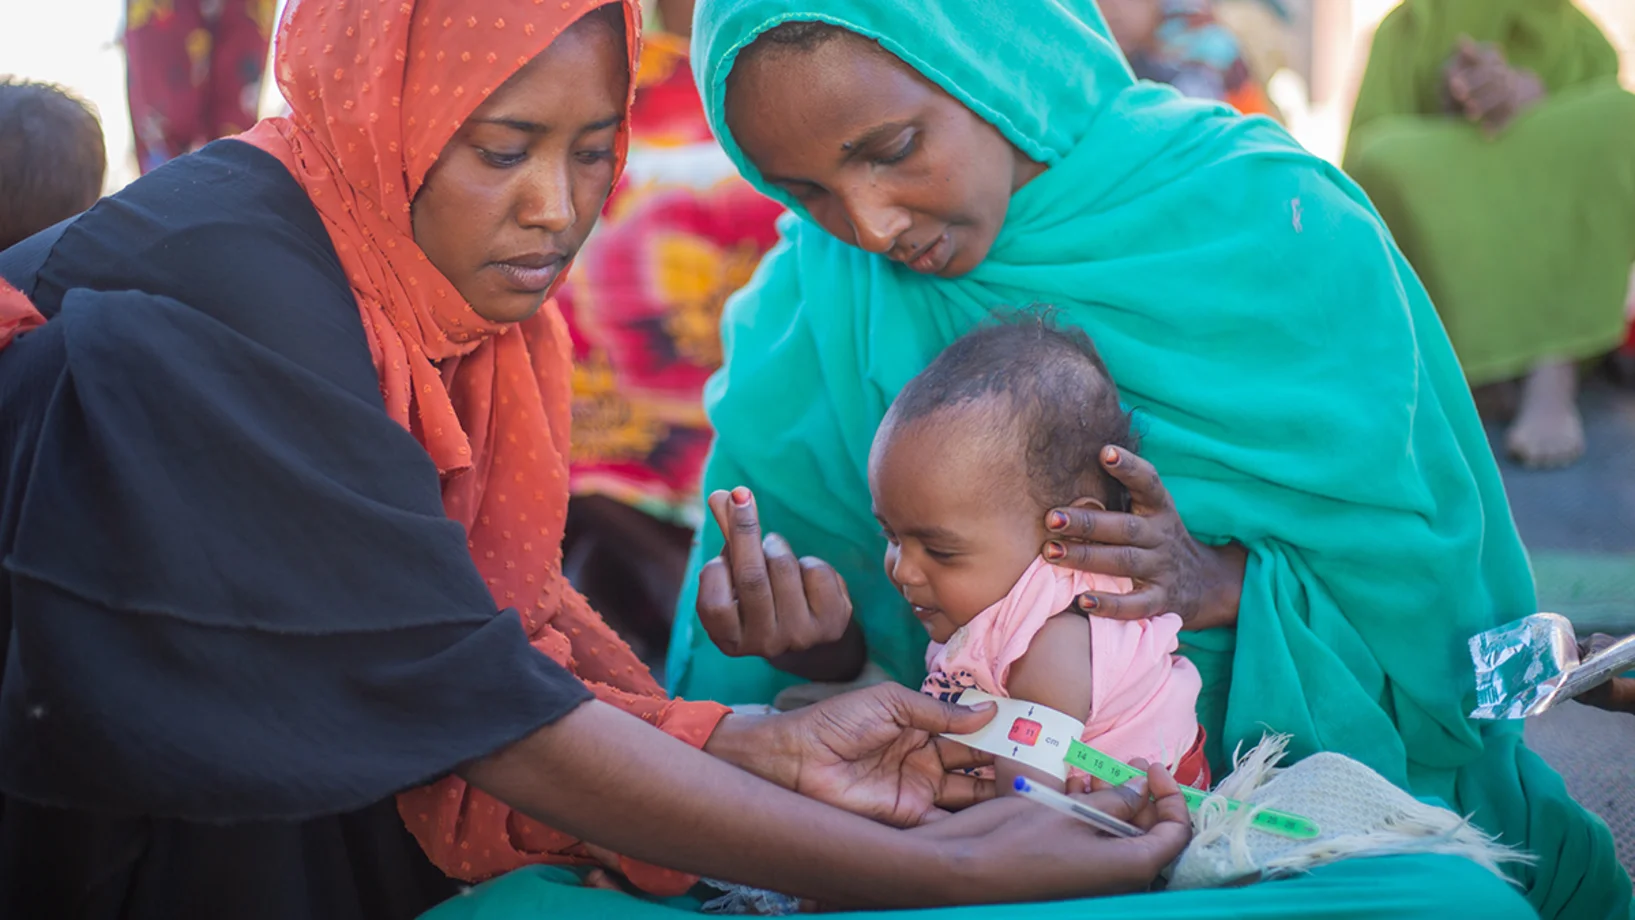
x: 1142, y: 696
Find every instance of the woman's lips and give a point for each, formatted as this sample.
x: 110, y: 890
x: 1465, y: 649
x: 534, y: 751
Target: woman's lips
x: 531, y: 275
x: 933, y: 258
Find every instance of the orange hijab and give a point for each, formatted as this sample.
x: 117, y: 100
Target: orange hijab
x: 365, y: 130
x: 488, y: 403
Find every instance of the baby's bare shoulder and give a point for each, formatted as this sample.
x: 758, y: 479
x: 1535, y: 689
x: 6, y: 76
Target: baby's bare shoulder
x: 1055, y: 670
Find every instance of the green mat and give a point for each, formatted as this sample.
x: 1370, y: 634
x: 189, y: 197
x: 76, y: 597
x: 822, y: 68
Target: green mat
x: 1595, y: 591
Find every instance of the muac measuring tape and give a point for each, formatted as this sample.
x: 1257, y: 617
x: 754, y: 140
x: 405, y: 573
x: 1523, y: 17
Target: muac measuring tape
x: 1047, y: 740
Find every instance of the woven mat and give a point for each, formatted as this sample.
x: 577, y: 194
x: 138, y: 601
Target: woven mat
x: 1595, y: 753
x: 1594, y: 590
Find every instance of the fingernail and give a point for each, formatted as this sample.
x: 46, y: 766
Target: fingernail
x: 777, y: 545
x: 1088, y: 602
x: 1111, y: 456
x: 1056, y: 521
x: 1054, y: 551
x: 740, y: 496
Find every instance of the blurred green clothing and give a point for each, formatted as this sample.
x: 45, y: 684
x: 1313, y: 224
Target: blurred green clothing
x: 1523, y: 240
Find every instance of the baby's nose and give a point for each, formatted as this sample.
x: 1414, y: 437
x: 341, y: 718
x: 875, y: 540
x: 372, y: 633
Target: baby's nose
x: 907, y: 576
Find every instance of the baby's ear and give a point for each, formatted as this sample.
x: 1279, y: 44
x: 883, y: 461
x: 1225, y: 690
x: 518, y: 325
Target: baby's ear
x: 1093, y: 503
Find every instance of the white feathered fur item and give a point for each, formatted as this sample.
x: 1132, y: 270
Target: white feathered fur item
x: 1357, y: 811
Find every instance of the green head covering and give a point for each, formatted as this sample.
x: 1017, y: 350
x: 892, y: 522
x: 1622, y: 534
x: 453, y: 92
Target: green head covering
x: 1042, y: 105
x: 1291, y: 382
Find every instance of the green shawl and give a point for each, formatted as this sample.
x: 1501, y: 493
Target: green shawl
x: 1292, y: 383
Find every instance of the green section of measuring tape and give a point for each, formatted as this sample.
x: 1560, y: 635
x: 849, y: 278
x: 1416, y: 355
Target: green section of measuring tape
x: 1110, y: 770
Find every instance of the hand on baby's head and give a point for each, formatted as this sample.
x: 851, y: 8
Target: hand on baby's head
x: 1006, y: 424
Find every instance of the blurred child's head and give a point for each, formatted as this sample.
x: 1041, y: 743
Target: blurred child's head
x: 51, y: 158
x: 1134, y: 23
x: 1005, y: 425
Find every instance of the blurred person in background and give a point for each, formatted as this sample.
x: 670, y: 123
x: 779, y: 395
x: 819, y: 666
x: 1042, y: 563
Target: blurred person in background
x: 1494, y: 138
x: 1180, y: 42
x: 643, y: 303
x: 1265, y: 33
x: 193, y: 71
x: 52, y: 158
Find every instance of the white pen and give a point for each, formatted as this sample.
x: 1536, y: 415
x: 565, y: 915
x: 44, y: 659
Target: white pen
x: 1095, y: 817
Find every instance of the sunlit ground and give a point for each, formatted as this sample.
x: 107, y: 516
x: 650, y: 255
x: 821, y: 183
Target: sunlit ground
x: 76, y: 43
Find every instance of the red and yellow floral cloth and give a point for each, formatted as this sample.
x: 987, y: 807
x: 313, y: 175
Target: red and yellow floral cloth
x: 643, y: 302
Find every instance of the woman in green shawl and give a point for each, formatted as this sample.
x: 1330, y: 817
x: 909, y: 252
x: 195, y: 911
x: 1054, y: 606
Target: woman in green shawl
x: 1496, y: 142
x: 1292, y: 383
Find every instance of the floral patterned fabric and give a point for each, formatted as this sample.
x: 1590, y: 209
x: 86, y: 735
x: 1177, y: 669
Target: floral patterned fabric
x: 193, y: 71
x: 643, y: 301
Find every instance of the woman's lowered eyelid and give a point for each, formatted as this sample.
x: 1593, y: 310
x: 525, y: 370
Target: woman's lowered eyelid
x: 501, y: 159
x: 798, y: 190
x: 900, y: 150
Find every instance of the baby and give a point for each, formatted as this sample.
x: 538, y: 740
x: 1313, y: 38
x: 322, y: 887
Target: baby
x: 52, y: 158
x: 1004, y: 425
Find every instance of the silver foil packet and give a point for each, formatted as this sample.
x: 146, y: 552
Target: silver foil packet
x: 1527, y: 667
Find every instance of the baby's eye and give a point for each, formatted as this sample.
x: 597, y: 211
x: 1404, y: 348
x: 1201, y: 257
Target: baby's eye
x: 940, y: 555
x: 888, y: 536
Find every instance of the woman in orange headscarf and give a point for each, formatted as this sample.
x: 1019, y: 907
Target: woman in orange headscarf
x: 285, y: 479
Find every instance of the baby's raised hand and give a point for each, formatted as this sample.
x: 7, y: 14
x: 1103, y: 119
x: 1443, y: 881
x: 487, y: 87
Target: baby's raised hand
x: 758, y: 599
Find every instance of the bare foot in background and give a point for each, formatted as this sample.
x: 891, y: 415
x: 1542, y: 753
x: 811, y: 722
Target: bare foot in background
x: 1548, y: 431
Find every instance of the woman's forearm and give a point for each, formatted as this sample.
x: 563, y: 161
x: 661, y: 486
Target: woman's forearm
x: 609, y: 778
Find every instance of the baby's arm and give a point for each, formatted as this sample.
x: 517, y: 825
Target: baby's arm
x: 1054, y: 672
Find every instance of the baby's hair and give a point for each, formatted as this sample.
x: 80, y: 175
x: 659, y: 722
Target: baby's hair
x: 52, y: 158
x: 1063, y: 402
